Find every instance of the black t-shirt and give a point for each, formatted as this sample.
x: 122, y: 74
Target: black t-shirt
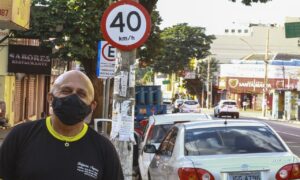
x: 31, y: 152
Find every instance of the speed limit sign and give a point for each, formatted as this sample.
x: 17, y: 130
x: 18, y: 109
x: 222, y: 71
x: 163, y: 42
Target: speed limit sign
x: 126, y: 24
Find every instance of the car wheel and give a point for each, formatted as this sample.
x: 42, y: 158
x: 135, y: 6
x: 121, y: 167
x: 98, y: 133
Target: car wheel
x: 237, y: 116
x: 232, y: 116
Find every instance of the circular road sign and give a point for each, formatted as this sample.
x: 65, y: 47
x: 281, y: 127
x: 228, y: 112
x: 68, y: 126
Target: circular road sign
x: 126, y: 24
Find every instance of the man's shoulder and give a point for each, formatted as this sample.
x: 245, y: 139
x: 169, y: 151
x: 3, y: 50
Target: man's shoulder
x: 28, y: 126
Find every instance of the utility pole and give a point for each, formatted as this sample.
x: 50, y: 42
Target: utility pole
x: 264, y: 101
x: 126, y: 26
x: 208, y: 83
x: 123, y: 109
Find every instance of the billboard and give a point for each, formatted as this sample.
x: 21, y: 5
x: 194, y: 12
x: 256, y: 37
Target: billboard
x: 29, y: 59
x: 14, y: 14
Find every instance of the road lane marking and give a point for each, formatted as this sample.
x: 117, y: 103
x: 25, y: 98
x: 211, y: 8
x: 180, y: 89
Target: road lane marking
x: 288, y: 134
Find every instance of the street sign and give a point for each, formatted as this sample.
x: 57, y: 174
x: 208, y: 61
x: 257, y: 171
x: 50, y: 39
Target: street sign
x: 292, y: 29
x: 105, y: 60
x: 166, y: 81
x: 126, y: 24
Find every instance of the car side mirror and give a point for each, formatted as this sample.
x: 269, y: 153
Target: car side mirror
x: 149, y: 148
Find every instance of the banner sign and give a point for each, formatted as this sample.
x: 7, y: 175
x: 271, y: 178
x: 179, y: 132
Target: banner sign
x: 14, y: 14
x: 106, y: 60
x: 256, y: 85
x: 29, y: 59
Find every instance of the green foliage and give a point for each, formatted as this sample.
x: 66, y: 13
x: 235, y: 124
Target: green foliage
x: 72, y: 25
x: 151, y: 49
x: 249, y: 2
x: 194, y: 86
x: 181, y: 43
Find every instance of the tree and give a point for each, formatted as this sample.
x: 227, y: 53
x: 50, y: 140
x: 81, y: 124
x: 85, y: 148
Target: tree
x: 198, y: 85
x: 151, y: 49
x: 181, y: 43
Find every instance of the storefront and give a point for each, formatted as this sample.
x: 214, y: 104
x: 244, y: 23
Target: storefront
x: 246, y: 83
x: 31, y: 66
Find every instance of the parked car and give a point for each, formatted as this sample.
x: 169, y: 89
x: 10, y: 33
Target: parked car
x: 156, y: 129
x: 223, y: 149
x: 190, y: 106
x: 226, y: 108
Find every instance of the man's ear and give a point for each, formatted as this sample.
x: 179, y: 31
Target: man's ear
x: 93, y: 105
x: 49, y: 98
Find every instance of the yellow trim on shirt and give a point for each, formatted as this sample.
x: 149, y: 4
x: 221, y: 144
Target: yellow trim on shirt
x: 65, y: 138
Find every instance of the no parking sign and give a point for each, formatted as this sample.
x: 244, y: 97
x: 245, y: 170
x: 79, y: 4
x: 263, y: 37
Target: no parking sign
x: 105, y: 60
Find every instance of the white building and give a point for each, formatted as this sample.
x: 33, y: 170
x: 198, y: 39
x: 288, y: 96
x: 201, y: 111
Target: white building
x: 239, y: 42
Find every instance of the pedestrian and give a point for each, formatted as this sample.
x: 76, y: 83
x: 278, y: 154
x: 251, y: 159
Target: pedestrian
x: 62, y: 146
x: 245, y: 105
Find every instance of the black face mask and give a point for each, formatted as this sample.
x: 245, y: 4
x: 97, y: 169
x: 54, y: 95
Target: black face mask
x: 70, y: 109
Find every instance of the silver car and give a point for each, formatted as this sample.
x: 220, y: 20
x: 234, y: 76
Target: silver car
x: 223, y: 150
x: 156, y: 130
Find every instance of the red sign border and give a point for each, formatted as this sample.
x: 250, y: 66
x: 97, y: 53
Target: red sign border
x: 120, y: 46
x: 103, y: 55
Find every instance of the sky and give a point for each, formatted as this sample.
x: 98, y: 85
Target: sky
x: 216, y: 15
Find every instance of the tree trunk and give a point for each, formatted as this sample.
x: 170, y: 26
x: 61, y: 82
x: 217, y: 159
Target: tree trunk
x: 90, y: 70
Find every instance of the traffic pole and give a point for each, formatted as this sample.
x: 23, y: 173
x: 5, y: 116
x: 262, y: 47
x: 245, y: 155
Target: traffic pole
x: 123, y: 108
x: 126, y: 29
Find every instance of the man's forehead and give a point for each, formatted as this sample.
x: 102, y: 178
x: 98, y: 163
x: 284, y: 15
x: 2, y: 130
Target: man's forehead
x: 74, y: 79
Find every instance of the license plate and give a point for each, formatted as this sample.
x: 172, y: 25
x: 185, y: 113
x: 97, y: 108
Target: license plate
x: 245, y: 176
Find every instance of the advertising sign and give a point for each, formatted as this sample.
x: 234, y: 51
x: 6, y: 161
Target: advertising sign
x: 14, y: 14
x: 126, y: 24
x: 29, y: 59
x: 240, y: 85
x: 105, y: 60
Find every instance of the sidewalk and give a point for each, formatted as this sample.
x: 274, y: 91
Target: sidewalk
x: 254, y: 114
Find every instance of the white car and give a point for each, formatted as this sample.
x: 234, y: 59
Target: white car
x: 190, y: 106
x: 226, y: 108
x: 156, y: 130
x: 223, y: 150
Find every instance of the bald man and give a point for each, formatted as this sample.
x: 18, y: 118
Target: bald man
x: 61, y: 147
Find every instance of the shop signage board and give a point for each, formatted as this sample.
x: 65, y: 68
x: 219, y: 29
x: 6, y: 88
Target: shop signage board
x: 105, y: 60
x: 14, y: 14
x: 126, y: 25
x: 29, y: 59
x: 292, y: 29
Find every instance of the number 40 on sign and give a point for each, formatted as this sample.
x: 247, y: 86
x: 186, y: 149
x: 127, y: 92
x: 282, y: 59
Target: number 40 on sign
x: 126, y: 24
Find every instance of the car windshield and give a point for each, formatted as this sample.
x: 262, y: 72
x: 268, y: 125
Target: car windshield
x: 158, y: 133
x: 229, y: 103
x: 190, y: 102
x: 231, y: 140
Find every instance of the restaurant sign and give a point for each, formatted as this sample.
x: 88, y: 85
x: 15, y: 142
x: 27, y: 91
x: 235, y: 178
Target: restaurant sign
x: 29, y: 59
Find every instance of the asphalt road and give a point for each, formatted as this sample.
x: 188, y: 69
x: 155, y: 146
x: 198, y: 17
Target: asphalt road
x: 290, y: 133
